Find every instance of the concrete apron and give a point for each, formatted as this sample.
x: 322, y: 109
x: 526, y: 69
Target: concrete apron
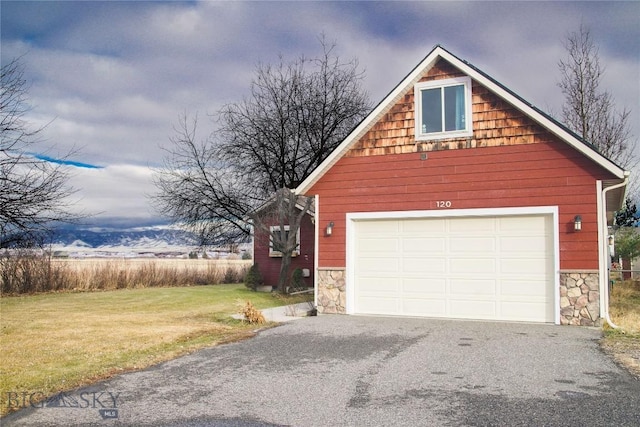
x: 285, y: 313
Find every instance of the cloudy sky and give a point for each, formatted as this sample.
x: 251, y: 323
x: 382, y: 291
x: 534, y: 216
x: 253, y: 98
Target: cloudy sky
x: 111, y: 78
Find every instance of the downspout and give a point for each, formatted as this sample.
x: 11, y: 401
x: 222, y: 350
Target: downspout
x: 608, y: 279
x: 316, y: 252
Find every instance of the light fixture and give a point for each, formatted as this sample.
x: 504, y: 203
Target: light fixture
x: 577, y: 223
x: 329, y: 229
x: 612, y: 245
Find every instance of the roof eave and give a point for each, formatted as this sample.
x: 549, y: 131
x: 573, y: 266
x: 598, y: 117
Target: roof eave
x: 531, y: 111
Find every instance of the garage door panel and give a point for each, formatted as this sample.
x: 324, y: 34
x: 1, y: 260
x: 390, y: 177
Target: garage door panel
x: 527, y: 311
x: 423, y: 245
x: 472, y: 266
x: 467, y: 286
x: 379, y: 305
x: 498, y: 268
x: 524, y: 244
x: 431, y: 288
x: 472, y: 245
x: 433, y: 265
x: 472, y: 226
x: 525, y: 224
x: 523, y: 266
x: 380, y: 246
x: 473, y: 309
x: 423, y: 226
x: 419, y: 306
x: 380, y: 285
x: 524, y: 288
x: 374, y: 265
x: 376, y: 228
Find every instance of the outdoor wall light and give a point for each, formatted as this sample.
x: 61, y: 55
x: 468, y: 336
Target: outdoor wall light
x: 329, y: 229
x: 612, y: 245
x: 577, y: 223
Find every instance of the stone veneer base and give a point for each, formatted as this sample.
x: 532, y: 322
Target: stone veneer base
x: 579, y: 296
x: 331, y: 291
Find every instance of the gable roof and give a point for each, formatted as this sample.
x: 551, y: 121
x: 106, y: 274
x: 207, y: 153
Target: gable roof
x: 546, y: 121
x: 299, y: 205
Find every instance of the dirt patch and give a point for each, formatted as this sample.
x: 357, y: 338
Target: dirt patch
x: 625, y: 351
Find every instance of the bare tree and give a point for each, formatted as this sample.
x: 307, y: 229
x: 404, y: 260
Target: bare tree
x: 198, y: 190
x: 33, y: 192
x: 588, y: 109
x: 296, y: 114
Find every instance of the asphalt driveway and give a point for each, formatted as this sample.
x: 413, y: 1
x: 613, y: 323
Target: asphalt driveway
x: 361, y: 371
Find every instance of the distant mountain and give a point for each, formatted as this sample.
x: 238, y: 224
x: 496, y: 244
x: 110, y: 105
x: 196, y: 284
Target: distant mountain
x: 122, y: 237
x: 148, y: 239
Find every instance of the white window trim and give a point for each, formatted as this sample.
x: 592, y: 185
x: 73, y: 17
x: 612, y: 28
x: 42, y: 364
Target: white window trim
x: 468, y: 131
x: 275, y: 254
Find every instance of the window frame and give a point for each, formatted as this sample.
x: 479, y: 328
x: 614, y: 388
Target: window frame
x: 441, y: 84
x: 277, y: 254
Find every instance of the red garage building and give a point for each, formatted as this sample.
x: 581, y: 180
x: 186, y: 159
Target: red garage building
x: 456, y: 198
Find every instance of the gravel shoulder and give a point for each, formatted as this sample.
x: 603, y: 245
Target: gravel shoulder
x: 625, y: 351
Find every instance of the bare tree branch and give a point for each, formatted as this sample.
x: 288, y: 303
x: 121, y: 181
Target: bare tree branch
x: 589, y: 110
x: 295, y: 115
x: 33, y: 192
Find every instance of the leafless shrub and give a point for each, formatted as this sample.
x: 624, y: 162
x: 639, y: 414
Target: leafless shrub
x: 30, y: 272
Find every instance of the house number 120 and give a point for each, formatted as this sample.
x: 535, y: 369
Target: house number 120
x: 443, y: 203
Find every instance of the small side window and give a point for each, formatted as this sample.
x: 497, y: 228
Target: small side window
x: 274, y: 250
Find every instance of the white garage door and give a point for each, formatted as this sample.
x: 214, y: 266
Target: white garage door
x: 499, y: 268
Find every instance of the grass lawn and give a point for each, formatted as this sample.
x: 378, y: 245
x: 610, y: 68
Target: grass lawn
x: 59, y: 341
x: 624, y: 343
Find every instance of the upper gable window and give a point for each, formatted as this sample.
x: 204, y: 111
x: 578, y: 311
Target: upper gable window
x: 443, y: 108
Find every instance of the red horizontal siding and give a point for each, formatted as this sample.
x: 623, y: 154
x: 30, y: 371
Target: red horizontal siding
x: 449, y: 170
x: 541, y: 174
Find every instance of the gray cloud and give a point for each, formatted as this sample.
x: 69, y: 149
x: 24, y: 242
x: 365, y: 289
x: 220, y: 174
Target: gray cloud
x: 112, y: 77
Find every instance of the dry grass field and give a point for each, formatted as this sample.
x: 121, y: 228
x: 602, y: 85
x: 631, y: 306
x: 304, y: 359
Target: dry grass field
x: 34, y: 274
x: 84, y: 264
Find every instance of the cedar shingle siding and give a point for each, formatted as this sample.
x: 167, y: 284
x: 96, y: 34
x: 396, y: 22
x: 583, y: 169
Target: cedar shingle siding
x: 495, y: 123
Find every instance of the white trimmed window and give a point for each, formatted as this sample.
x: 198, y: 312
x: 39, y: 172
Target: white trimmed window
x: 443, y: 108
x: 275, y: 252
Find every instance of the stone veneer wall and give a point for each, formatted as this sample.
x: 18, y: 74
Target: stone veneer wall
x: 579, y: 299
x: 579, y: 296
x: 331, y: 291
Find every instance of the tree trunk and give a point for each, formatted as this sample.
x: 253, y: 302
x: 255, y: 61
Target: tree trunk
x: 284, y: 273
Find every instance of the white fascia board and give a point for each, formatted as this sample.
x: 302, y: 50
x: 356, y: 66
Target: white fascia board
x: 413, y: 77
